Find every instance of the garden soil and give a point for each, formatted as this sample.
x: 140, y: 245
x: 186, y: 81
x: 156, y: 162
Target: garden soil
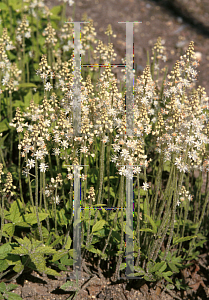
x: 177, y: 22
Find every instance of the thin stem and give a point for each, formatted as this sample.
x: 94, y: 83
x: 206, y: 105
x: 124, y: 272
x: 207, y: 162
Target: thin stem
x: 2, y: 216
x: 36, y: 195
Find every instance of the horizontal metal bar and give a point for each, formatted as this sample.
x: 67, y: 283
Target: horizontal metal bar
x: 106, y: 208
x: 102, y: 65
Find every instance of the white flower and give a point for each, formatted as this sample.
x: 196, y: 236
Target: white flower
x: 65, y: 144
x: 57, y: 139
x: 43, y: 167
x: 56, y: 151
x: 39, y: 154
x: 27, y: 34
x: 84, y: 149
x: 71, y: 2
x: 57, y: 199
x: 19, y: 38
x: 105, y: 139
x: 5, y: 80
x: 114, y: 158
x: 145, y: 186
x: 30, y: 127
x: 20, y: 128
x: 137, y: 170
x: 31, y: 163
x: 124, y: 153
x: 65, y: 48
x: 70, y: 176
x: 48, y: 86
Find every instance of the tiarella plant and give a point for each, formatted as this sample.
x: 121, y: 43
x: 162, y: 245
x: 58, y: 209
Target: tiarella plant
x: 38, y: 152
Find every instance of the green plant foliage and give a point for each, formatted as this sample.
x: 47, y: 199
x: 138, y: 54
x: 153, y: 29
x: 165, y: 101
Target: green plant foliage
x: 5, y: 292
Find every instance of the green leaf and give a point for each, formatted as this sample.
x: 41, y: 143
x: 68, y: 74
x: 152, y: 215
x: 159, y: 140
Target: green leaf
x: 166, y: 274
x: 116, y: 236
x: 65, y: 261
x: 20, y: 251
x: 3, y: 6
x: 11, y: 287
x: 69, y: 285
x: 13, y: 296
x: 4, y: 126
x: 39, y: 261
x: 147, y: 229
x: 15, y: 4
x: 45, y: 250
x: 18, y: 267
x: 59, y: 254
x: 92, y: 249
x: 160, y: 266
x: 139, y: 270
x: 149, y: 277
x: 51, y: 272
x: 62, y: 220
x: 122, y: 266
x: 99, y: 225
x: 183, y: 239
x: 32, y: 219
x: 69, y: 242
x: 27, y: 98
x: 4, y: 249
x: 14, y: 216
x: 36, y: 98
x: 70, y: 252
x: 3, y: 265
x: 150, y: 266
x: 9, y: 228
x: 170, y: 286
x: 25, y: 242
x: 56, y: 10
x: 119, y: 252
x: 2, y: 287
x: 27, y: 85
x: 173, y: 267
x: 57, y: 241
x: 152, y: 223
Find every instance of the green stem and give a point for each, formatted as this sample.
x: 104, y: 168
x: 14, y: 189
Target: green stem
x: 19, y: 175
x: 55, y: 213
x: 36, y: 197
x: 117, y: 272
x: 2, y: 216
x: 185, y: 219
x: 101, y: 176
x: 159, y: 175
x: 191, y: 245
x: 23, y: 63
x: 30, y: 188
x: 138, y: 221
x: 41, y: 189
